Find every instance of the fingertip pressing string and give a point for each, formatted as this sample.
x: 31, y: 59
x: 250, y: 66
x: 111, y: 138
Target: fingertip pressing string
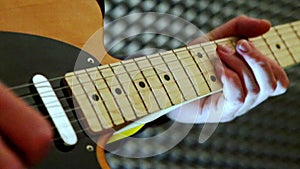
x: 100, y: 150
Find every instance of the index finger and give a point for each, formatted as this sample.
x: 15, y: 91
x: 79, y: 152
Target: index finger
x: 23, y: 127
x: 242, y: 26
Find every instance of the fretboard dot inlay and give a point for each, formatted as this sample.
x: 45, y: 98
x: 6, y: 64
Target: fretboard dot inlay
x: 278, y: 46
x: 167, y: 77
x: 118, y: 91
x: 95, y: 97
x: 213, y: 78
x: 199, y: 55
x: 142, y: 84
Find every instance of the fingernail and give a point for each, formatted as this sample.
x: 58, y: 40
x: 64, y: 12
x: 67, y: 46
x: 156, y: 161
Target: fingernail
x: 226, y: 49
x: 244, y: 46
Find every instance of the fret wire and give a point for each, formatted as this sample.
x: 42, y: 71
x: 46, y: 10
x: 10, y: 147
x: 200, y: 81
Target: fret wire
x: 271, y: 38
x: 170, y: 85
x: 114, y: 99
x: 185, y: 71
x: 206, y: 54
x: 259, y: 43
x: 136, y: 89
x: 167, y: 66
x: 202, y: 73
x: 164, y: 87
x: 280, y: 36
x: 101, y: 98
x: 119, y: 106
x: 147, y: 84
x: 76, y: 76
x: 209, y: 59
x: 125, y: 93
x: 199, y: 68
x: 296, y: 31
x: 268, y: 45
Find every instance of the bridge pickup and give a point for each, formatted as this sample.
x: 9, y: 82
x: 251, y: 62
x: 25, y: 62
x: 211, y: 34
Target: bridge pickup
x: 55, y: 110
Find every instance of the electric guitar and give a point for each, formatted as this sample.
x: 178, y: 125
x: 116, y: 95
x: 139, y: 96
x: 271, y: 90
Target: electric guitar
x: 43, y: 62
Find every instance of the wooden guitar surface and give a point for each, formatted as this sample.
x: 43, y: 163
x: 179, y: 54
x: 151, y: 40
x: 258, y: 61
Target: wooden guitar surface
x: 69, y: 21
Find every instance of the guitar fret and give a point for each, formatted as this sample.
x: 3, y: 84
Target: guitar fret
x: 295, y: 49
x: 89, y: 89
x: 83, y: 102
x: 210, y: 55
x: 296, y: 27
x: 170, y: 85
x: 157, y: 86
x: 281, y: 36
x: 145, y: 90
x: 176, y: 74
x: 261, y: 45
x: 195, y: 51
x: 108, y: 98
x: 290, y: 39
x: 99, y: 106
x: 278, y: 48
x: 200, y: 84
x: 189, y: 87
x: 119, y: 93
x: 131, y: 90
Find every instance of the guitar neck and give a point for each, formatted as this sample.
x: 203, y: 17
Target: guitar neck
x: 118, y: 93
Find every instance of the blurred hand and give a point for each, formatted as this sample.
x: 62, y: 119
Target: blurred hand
x: 24, y: 134
x: 248, y: 76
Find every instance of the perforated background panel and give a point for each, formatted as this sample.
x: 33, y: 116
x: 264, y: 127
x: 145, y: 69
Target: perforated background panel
x: 266, y: 137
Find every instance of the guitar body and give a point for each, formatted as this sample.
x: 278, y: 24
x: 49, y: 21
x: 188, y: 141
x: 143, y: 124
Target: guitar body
x: 23, y: 56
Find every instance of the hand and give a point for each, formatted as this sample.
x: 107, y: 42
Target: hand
x: 248, y: 76
x: 24, y: 134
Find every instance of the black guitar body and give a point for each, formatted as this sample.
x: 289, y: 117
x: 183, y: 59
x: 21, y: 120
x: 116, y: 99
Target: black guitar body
x: 23, y: 56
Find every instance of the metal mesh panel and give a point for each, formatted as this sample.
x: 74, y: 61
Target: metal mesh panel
x: 266, y: 137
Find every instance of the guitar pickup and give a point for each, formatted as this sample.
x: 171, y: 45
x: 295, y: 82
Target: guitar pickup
x: 55, y: 110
